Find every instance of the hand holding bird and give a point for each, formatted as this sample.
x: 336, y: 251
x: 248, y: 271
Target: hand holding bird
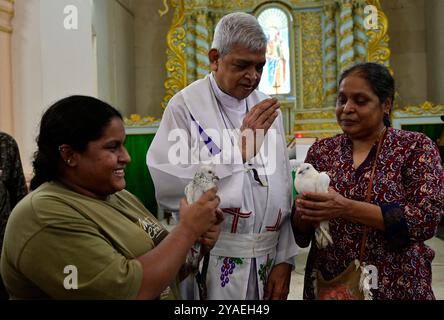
x: 204, y: 179
x: 308, y: 179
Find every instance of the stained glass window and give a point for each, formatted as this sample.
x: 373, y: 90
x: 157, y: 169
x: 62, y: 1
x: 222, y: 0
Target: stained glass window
x: 276, y: 77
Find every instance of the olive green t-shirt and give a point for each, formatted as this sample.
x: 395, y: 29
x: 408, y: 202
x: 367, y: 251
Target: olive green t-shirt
x: 63, y: 245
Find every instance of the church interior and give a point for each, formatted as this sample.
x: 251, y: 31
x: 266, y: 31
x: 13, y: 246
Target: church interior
x: 136, y: 54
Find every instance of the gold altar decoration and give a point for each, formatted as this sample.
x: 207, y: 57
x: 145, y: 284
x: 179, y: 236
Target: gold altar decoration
x: 6, y: 15
x: 175, y: 65
x: 135, y: 120
x: 316, y: 115
x: 322, y: 121
x: 165, y: 9
x: 425, y: 109
x: 378, y: 44
x: 311, y: 40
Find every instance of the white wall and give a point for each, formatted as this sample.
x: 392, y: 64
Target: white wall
x: 67, y: 56
x: 49, y: 63
x: 113, y: 24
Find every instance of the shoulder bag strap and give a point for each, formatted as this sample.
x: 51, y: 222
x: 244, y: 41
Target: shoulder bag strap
x: 369, y: 192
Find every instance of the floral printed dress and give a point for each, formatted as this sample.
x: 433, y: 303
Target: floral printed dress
x: 409, y: 188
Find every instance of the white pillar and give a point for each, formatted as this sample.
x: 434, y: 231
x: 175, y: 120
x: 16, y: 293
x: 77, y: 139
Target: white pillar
x: 6, y: 113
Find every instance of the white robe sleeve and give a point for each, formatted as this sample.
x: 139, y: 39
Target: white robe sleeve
x: 169, y: 178
x: 287, y: 249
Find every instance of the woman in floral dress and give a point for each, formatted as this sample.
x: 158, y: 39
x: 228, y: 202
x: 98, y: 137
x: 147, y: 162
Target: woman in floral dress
x: 407, y: 196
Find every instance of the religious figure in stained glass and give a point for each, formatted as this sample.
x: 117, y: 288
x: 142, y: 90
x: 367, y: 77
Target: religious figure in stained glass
x: 276, y: 75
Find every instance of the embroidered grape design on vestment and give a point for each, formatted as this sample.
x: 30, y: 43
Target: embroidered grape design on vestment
x: 228, y: 266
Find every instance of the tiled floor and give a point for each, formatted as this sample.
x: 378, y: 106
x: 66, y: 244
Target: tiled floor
x: 437, y: 244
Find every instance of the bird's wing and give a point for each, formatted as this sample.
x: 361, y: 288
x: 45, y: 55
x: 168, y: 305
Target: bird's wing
x: 305, y: 183
x: 189, y: 190
x: 208, y: 185
x: 298, y: 183
x: 323, y: 181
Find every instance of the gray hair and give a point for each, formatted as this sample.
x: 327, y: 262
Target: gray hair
x: 238, y: 28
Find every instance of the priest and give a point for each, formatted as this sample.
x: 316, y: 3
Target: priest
x: 223, y: 120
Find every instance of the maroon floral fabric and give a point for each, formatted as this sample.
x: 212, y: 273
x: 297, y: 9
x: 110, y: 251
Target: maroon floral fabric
x: 409, y: 188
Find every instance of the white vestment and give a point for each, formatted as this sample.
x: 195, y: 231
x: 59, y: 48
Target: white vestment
x: 256, y: 232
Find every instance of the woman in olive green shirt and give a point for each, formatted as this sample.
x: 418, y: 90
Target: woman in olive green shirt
x: 79, y: 235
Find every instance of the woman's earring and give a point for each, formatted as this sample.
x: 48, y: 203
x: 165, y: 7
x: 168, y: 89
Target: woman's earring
x: 68, y: 162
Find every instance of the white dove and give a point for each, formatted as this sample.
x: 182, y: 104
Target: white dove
x: 308, y: 179
x: 204, y: 179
